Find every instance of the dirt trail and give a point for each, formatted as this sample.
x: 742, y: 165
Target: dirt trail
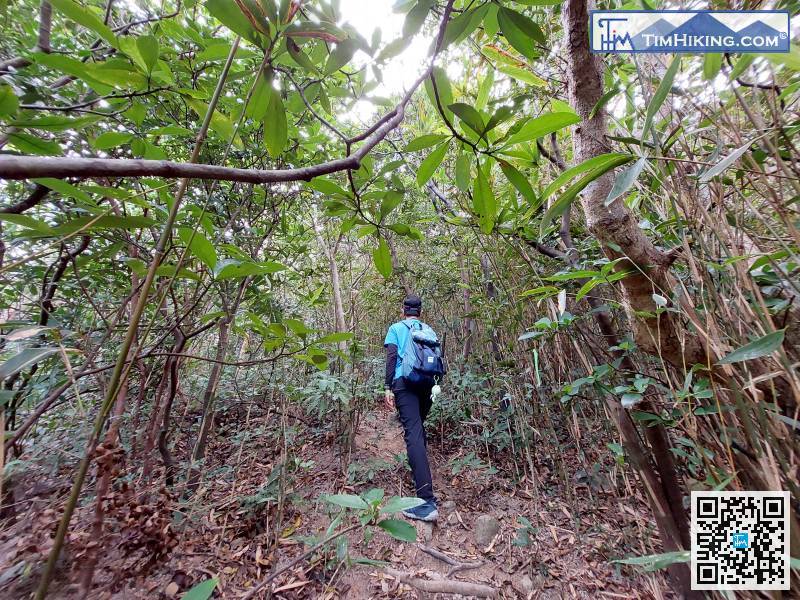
x: 558, y: 562
x: 567, y: 551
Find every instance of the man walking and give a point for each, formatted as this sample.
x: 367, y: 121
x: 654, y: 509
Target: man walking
x: 412, y: 401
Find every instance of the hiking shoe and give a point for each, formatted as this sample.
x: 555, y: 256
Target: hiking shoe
x: 424, y: 512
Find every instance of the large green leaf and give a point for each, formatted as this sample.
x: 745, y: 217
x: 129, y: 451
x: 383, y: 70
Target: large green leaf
x: 202, y: 590
x: 444, y: 89
x: 83, y: 16
x: 469, y: 115
x: 523, y: 42
x: 23, y: 360
x: 560, y: 205
x: 347, y: 501
x: 763, y: 346
x: 8, y: 101
x: 400, y: 530
x: 431, y: 163
x: 220, y: 123
x: 416, y: 17
x: 424, y: 141
x: 227, y: 13
x: 542, y: 126
x: 519, y: 181
x: 463, y: 163
x: 398, y: 503
x: 341, y: 55
x: 625, y: 180
x: 103, y: 222
x: 660, y: 95
x: 275, y: 125
x: 723, y: 164
x: 382, y: 258
x: 484, y: 202
x: 111, y: 139
x: 199, y: 246
x: 31, y: 144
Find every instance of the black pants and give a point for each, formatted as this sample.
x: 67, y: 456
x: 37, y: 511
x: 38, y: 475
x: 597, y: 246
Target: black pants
x: 413, y: 403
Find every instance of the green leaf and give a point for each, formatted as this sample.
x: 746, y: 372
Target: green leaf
x: 8, y: 101
x: 483, y: 91
x: 111, y: 139
x: 520, y: 74
x: 520, y: 31
x: 382, y: 258
x: 104, y: 222
x: 202, y: 590
x: 257, y: 107
x: 424, y: 141
x: 580, y: 274
x: 400, y: 530
x: 398, y: 503
x: 712, y: 63
x: 390, y: 202
x: 604, y: 99
x: 660, y: 95
x: 326, y: 186
x: 30, y: 144
x: 583, y: 167
x: 789, y: 59
x: 625, y: 180
x: 443, y: 87
x: 484, y: 202
x: 416, y: 17
x: 431, y: 163
x: 148, y: 50
x: 471, y: 117
x: 74, y: 68
x: 227, y: 13
x: 341, y: 55
x: 199, y: 246
x: 27, y: 221
x: 231, y: 268
x: 560, y: 205
x: 64, y: 188
x: 519, y: 181
x: 24, y: 359
x: 335, y: 338
x: 745, y: 60
x: 84, y: 17
x: 726, y: 162
x: 463, y: 25
x: 276, y: 132
x: 763, y: 346
x: 542, y: 126
x: 462, y: 172
x: 220, y: 124
x: 347, y: 501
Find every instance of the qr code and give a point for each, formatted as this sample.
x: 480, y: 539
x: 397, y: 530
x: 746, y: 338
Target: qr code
x: 740, y: 540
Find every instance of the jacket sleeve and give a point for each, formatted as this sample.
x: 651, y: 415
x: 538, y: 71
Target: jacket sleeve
x: 391, y: 364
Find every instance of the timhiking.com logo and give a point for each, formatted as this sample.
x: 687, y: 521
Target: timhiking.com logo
x: 696, y: 31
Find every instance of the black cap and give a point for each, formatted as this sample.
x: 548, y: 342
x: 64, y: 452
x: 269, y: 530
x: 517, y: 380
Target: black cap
x: 412, y: 305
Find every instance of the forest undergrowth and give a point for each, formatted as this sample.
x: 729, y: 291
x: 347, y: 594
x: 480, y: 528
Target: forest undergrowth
x: 273, y: 461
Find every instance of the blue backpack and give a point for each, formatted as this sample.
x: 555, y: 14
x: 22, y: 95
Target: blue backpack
x: 423, y: 361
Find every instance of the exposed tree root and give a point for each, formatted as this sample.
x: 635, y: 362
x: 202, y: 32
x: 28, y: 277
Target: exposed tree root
x: 444, y: 586
x: 457, y: 565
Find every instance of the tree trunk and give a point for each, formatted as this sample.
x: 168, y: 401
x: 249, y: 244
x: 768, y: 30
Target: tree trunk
x: 616, y: 225
x: 199, y: 452
x: 660, y: 334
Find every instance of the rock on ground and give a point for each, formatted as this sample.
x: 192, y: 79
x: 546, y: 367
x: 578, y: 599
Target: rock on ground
x: 486, y: 527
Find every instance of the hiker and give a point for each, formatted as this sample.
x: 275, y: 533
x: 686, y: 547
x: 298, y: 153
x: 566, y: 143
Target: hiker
x: 414, y: 366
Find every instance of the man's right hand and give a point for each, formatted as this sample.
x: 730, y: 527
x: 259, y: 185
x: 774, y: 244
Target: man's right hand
x: 388, y: 400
